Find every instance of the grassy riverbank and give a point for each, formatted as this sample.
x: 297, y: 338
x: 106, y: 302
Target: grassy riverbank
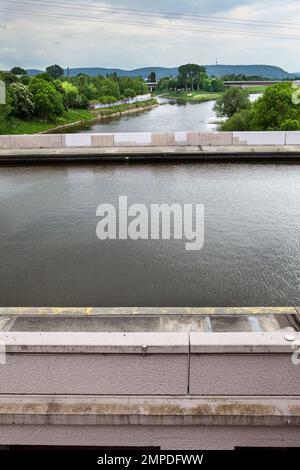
x: 75, y: 116
x: 107, y: 112
x: 34, y: 126
x: 191, y: 96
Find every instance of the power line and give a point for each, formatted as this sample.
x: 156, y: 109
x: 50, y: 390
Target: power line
x: 165, y: 15
x: 153, y: 25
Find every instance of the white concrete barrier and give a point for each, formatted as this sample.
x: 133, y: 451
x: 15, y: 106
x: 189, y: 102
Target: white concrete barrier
x: 77, y: 140
x: 148, y: 139
x: 292, y: 138
x: 132, y: 139
x: 259, y: 138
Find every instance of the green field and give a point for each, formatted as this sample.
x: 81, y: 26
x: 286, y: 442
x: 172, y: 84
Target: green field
x: 192, y: 96
x: 256, y: 89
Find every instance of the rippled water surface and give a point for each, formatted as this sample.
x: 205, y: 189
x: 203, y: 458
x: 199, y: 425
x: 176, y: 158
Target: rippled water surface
x: 50, y: 256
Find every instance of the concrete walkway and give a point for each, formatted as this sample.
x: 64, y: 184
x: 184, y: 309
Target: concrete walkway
x: 198, y: 153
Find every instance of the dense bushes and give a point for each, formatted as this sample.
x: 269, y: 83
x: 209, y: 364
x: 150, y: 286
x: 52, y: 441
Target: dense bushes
x: 233, y: 101
x: 274, y: 110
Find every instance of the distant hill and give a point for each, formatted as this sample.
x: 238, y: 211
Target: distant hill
x: 268, y: 71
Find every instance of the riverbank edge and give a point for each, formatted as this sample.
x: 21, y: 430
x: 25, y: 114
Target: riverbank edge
x: 187, y: 99
x: 164, y: 153
x: 130, y: 110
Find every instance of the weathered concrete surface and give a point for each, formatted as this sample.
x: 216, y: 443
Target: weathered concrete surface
x: 103, y: 140
x: 4, y: 142
x: 154, y: 320
x: 274, y: 342
x: 182, y: 391
x: 95, y: 374
x: 173, y: 152
x: 113, y: 323
x: 164, y: 411
x: 36, y: 141
x: 244, y: 374
x: 205, y: 311
x: 259, y: 138
x: 95, y: 343
x: 128, y: 139
x: 161, y: 437
x: 216, y: 139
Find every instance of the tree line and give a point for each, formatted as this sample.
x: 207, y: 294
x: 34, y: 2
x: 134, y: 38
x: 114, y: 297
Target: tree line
x: 191, y: 77
x: 48, y: 95
x: 277, y: 109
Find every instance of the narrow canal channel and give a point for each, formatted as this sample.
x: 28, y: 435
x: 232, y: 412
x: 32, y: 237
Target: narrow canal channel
x: 170, y: 116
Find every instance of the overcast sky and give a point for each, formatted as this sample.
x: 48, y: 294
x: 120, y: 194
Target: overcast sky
x: 36, y: 41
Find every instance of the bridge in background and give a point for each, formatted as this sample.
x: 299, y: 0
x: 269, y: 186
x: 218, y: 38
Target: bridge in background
x: 151, y: 86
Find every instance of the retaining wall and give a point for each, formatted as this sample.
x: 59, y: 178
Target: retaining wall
x: 148, y: 139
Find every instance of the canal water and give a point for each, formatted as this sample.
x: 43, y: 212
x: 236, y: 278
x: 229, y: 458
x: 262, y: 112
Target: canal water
x: 170, y: 116
x: 50, y: 255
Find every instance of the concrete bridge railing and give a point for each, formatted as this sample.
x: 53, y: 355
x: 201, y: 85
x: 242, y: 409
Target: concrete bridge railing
x: 148, y: 139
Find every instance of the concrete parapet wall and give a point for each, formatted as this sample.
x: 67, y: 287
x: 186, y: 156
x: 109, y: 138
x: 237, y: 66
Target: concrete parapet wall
x: 292, y: 138
x: 259, y: 138
x: 36, y: 141
x: 169, y: 390
x: 244, y: 364
x: 148, y: 139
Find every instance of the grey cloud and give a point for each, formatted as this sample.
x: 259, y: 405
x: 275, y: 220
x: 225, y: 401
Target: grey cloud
x: 179, y: 6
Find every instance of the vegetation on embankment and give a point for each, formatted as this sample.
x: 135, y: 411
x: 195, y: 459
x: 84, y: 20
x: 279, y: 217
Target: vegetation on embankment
x: 71, y: 118
x: 34, y: 126
x: 36, y: 104
x: 191, y: 96
x: 276, y: 110
x: 123, y: 108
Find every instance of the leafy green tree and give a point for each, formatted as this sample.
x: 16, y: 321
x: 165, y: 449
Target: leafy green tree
x: 44, y: 76
x: 232, y: 101
x: 55, y: 71
x: 152, y: 77
x: 129, y: 93
x: 240, y: 121
x: 72, y: 98
x: 18, y: 71
x: 275, y: 107
x: 163, y: 84
x: 107, y: 99
x: 47, y: 100
x: 109, y: 87
x: 8, y: 77
x: 189, y: 74
x: 290, y: 125
x: 217, y: 85
x: 25, y: 79
x: 21, y: 100
x: 139, y: 86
